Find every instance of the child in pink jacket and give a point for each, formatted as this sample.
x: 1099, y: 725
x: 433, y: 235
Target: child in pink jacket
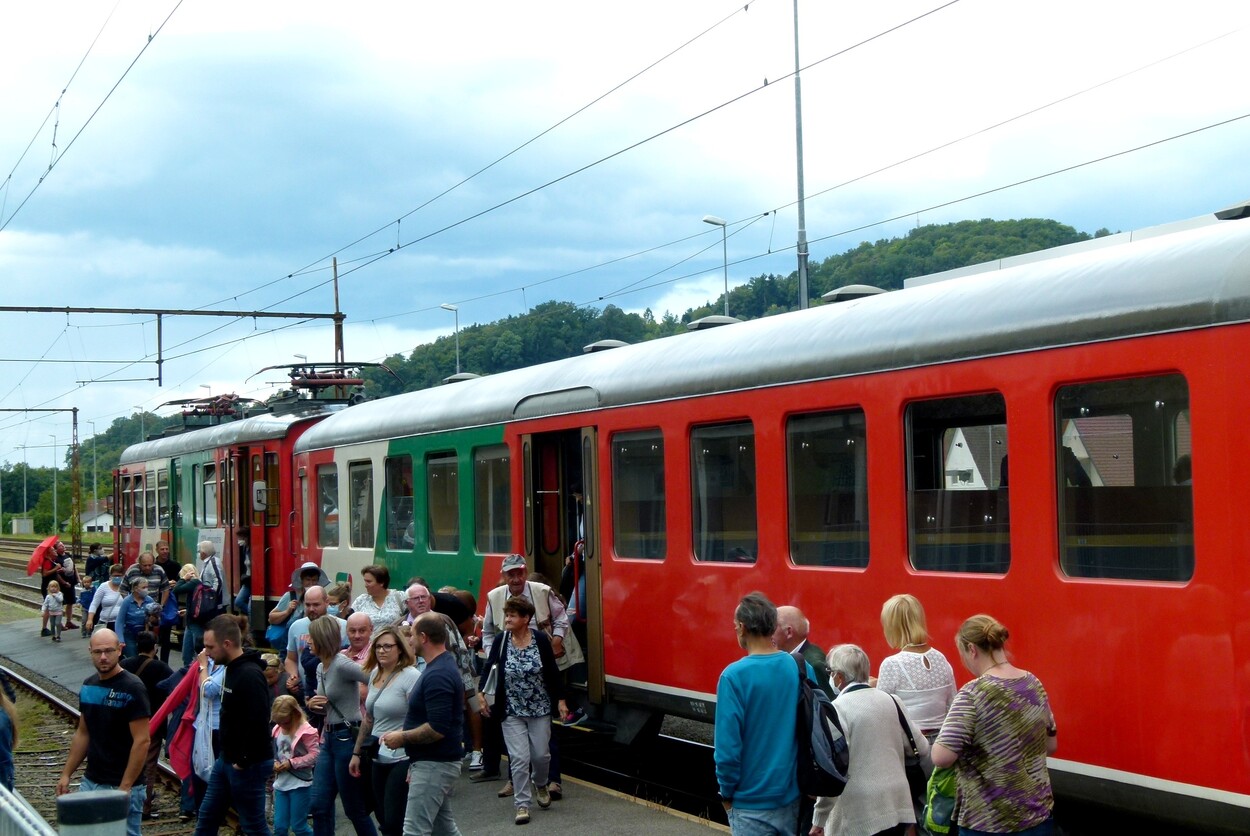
x: 295, y: 752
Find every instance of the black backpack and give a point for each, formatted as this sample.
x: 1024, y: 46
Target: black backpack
x: 824, y: 757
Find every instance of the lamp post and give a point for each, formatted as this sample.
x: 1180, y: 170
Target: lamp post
x: 724, y: 249
x: 455, y: 310
x: 143, y: 433
x: 25, y: 469
x: 56, y: 524
x: 95, y: 469
x: 798, y: 144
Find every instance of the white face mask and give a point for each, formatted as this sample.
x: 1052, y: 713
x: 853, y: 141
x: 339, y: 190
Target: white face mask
x: 333, y: 609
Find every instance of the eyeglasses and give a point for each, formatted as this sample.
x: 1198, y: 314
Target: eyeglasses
x: 385, y: 646
x: 108, y: 651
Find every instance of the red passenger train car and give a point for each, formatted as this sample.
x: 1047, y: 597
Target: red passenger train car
x: 1058, y: 443
x: 213, y: 483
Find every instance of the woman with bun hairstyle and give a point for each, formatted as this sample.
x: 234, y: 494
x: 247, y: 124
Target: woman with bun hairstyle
x: 997, y: 735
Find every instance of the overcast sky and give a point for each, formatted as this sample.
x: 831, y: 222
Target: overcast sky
x: 250, y: 141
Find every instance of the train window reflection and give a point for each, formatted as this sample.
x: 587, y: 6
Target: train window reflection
x: 828, y: 489
x: 492, y: 497
x: 273, y: 493
x: 722, y: 471
x: 957, y: 485
x: 400, y: 533
x: 162, y: 498
x: 443, y: 502
x: 638, y: 499
x: 149, y: 500
x: 327, y: 506
x: 1125, y: 473
x: 360, y: 493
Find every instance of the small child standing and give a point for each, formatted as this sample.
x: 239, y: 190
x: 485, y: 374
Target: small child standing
x: 86, y: 591
x: 295, y: 753
x: 54, y: 607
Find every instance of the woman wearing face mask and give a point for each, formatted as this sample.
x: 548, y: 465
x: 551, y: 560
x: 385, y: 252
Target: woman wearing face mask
x: 383, y: 606
x: 243, y: 601
x: 997, y: 735
x: 107, y: 600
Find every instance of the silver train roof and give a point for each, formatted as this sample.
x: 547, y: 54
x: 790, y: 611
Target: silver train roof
x: 1188, y: 279
x: 257, y: 428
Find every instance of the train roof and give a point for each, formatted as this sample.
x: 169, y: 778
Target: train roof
x: 1190, y: 279
x: 257, y: 428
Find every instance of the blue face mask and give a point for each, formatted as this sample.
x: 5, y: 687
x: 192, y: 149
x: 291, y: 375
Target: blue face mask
x: 333, y: 609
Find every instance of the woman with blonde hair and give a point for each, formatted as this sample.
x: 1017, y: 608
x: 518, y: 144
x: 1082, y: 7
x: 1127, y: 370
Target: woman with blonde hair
x: 338, y: 698
x: 918, y: 674
x: 394, y: 676
x: 997, y: 734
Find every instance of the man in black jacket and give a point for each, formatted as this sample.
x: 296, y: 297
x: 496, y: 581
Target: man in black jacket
x: 238, y: 777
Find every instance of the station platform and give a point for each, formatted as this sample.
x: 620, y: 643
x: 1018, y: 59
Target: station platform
x: 585, y: 808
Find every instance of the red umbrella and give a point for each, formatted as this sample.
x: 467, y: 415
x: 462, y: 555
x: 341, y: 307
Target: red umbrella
x: 41, y: 551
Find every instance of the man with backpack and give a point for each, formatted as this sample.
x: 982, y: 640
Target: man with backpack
x: 756, y: 749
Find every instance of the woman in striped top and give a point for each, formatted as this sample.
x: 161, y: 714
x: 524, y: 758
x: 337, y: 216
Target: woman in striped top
x: 997, y: 734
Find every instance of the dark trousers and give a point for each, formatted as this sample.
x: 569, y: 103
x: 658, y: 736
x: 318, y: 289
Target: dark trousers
x: 390, y: 796
x: 166, y: 643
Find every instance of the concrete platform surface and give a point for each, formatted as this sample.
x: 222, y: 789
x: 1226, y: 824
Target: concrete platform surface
x: 585, y: 810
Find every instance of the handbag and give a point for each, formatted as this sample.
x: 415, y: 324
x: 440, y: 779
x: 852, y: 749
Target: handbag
x: 917, y: 781
x: 169, y: 613
x: 492, y: 682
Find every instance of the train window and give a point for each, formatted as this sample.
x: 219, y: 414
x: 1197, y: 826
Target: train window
x: 127, y: 502
x: 492, y: 499
x: 273, y: 509
x: 360, y: 496
x: 828, y: 483
x: 722, y: 465
x: 327, y: 506
x: 304, y: 509
x: 149, y: 500
x: 162, y: 498
x: 639, y: 527
x: 442, y: 502
x: 136, y: 492
x: 208, y: 495
x: 957, y: 485
x: 400, y: 528
x: 1124, y: 475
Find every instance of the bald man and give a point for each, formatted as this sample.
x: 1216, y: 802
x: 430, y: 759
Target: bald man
x: 791, y: 636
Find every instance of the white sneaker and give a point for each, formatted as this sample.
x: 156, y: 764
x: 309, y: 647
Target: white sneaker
x: 475, y: 761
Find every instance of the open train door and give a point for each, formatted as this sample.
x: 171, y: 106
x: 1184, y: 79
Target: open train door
x: 560, y: 492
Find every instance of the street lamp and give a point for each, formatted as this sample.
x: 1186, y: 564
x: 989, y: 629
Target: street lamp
x: 143, y: 433
x: 455, y: 310
x: 25, y: 469
x: 209, y: 388
x: 56, y: 525
x: 724, y: 248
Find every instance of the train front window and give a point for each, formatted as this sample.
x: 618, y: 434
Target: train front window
x: 957, y: 485
x: 442, y: 485
x: 828, y: 489
x: 327, y: 506
x: 360, y: 487
x: 638, y: 498
x: 1124, y: 470
x: 722, y: 476
x: 273, y: 508
x: 492, y: 499
x: 400, y: 532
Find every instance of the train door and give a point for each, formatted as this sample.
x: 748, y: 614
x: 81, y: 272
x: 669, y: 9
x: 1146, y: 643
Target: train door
x: 560, y: 485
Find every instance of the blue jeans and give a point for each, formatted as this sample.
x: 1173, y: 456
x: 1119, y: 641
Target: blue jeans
x: 192, y: 636
x: 243, y: 789
x: 777, y: 821
x: 134, y: 816
x: 290, y: 811
x: 430, y: 785
x: 330, y: 778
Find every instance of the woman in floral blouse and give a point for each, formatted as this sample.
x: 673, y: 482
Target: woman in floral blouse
x: 527, y: 689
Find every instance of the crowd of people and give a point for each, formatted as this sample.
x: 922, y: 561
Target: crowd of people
x: 989, y: 739
x: 376, y: 700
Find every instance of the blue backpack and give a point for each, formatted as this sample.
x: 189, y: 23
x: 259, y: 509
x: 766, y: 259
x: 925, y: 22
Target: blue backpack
x: 824, y: 757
